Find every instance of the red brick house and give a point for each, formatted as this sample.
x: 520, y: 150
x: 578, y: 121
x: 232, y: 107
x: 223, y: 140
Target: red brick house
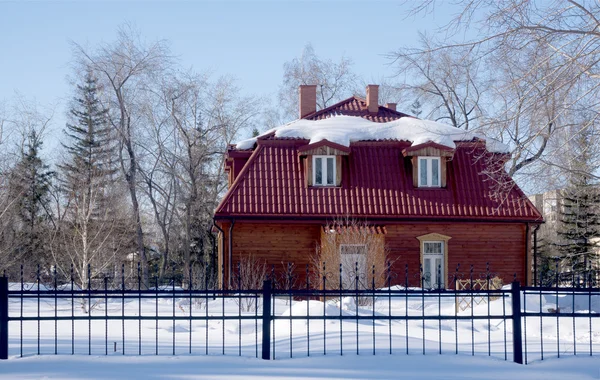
x: 418, y: 189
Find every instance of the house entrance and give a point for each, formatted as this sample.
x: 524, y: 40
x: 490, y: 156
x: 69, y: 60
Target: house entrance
x: 433, y: 265
x: 353, y: 257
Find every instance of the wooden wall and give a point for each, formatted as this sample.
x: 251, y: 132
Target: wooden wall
x: 500, y: 245
x: 276, y: 244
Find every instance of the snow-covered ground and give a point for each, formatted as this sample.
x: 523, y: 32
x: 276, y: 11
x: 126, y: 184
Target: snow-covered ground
x: 482, y: 344
x: 330, y: 367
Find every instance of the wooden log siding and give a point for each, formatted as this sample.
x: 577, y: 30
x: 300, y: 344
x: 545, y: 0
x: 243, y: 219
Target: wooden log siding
x: 276, y: 245
x: 502, y: 245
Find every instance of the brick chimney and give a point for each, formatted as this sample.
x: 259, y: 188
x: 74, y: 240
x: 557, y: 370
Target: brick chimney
x: 373, y: 98
x: 308, y: 99
x: 391, y: 106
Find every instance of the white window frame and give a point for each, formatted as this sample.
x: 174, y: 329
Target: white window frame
x: 324, y: 172
x: 433, y: 282
x: 430, y: 161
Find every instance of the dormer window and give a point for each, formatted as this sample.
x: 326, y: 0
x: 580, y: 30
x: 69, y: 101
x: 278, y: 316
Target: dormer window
x: 322, y: 163
x: 324, y: 170
x: 429, y: 172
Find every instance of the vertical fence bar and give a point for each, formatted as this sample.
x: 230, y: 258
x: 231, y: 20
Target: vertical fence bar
x: 308, y: 311
x: 324, y: 312
x: 289, y: 288
x: 173, y: 302
x: 389, y: 286
x: 72, y: 312
x: 406, y: 305
x: 356, y: 303
x: 341, y: 321
x: 89, y: 307
x: 516, y: 320
x: 123, y: 308
x: 55, y: 311
x: 373, y: 303
x: 266, y: 321
x: 21, y: 313
x: 38, y: 308
x: 139, y: 286
x: 472, y: 307
x: 190, y: 284
x: 105, y: 315
x: 3, y: 318
x: 525, y: 323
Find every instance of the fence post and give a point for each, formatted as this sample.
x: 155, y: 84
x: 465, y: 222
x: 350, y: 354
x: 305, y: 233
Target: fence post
x: 3, y: 318
x: 266, y: 320
x: 516, y: 322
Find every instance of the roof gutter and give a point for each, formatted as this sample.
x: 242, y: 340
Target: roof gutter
x: 535, y: 252
x: 229, y: 252
x: 527, y: 251
x: 229, y: 246
x: 222, y: 234
x: 299, y: 219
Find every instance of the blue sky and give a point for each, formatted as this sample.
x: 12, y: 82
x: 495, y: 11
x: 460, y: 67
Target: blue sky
x: 249, y: 40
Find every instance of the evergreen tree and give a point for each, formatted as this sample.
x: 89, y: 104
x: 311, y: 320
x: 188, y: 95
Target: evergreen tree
x: 90, y: 144
x: 416, y: 108
x: 579, y: 222
x: 92, y: 231
x: 29, y: 183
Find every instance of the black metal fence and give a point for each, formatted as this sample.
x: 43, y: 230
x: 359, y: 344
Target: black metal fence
x: 275, y: 321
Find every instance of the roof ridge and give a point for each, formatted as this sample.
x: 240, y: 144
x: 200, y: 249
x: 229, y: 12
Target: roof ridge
x: 348, y: 100
x: 327, y: 109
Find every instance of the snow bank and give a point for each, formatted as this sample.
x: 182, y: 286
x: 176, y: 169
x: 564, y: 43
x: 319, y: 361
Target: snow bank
x: 346, y: 129
x: 312, y: 308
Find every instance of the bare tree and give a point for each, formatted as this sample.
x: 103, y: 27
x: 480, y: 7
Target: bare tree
x: 192, y: 121
x: 448, y: 82
x: 127, y: 68
x: 541, y: 58
x: 334, y: 80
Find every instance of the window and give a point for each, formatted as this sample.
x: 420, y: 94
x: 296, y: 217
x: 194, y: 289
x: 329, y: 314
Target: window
x: 324, y: 171
x: 354, y: 264
x: 429, y: 172
x: 434, y: 260
x: 433, y: 265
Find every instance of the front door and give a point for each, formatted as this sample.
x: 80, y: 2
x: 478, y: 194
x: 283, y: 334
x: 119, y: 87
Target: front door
x: 433, y: 265
x: 354, y: 265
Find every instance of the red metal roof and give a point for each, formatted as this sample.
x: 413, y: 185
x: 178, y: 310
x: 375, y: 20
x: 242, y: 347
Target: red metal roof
x: 356, y: 106
x: 376, y: 183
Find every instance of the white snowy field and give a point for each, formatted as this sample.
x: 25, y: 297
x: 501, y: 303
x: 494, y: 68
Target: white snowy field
x: 232, y: 344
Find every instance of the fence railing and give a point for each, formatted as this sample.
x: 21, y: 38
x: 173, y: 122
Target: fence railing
x: 271, y: 322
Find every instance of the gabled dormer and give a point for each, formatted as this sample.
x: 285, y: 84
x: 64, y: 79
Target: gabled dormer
x: 323, y: 163
x: 429, y: 164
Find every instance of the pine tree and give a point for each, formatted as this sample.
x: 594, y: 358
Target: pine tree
x: 30, y: 183
x: 579, y: 221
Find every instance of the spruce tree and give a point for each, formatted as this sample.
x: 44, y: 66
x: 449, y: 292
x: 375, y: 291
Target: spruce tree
x: 579, y: 225
x: 29, y: 184
x: 416, y: 108
x: 91, y: 229
x: 90, y: 145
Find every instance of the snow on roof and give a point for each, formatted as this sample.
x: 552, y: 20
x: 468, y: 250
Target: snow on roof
x: 346, y: 129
